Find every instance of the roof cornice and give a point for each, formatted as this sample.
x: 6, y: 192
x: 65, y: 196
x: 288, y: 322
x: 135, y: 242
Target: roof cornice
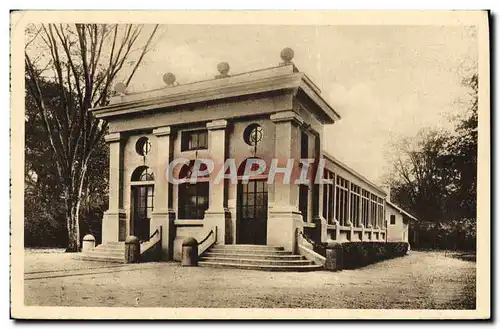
x: 275, y: 79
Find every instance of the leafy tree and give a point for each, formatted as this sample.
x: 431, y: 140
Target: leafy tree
x: 434, y: 175
x: 82, y: 63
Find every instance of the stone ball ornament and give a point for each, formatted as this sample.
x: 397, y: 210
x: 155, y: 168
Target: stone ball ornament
x: 223, y: 68
x: 120, y: 88
x: 169, y: 79
x: 287, y: 55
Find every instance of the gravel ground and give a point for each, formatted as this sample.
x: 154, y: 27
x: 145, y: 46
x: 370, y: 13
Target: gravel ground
x: 422, y: 280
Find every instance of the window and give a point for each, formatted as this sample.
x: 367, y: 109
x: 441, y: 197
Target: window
x: 373, y: 210
x: 393, y: 219
x: 341, y: 200
x: 194, y: 140
x: 143, y: 146
x: 142, y: 174
x: 380, y: 212
x: 303, y: 196
x: 253, y: 134
x: 193, y: 200
x: 355, y: 205
x: 365, y: 207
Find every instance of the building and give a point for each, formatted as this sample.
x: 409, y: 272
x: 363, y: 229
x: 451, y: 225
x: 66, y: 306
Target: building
x: 398, y: 223
x: 274, y: 113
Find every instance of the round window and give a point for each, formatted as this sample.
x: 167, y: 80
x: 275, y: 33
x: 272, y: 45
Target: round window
x: 143, y: 146
x: 253, y: 134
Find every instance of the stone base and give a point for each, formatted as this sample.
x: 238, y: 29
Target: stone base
x: 165, y: 219
x: 282, y: 226
x: 113, y: 228
x: 217, y: 218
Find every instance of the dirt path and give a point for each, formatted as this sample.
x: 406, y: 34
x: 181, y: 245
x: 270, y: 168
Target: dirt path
x: 424, y: 280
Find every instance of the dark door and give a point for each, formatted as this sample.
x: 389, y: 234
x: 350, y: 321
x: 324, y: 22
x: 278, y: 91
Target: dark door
x: 143, y: 208
x: 252, y: 212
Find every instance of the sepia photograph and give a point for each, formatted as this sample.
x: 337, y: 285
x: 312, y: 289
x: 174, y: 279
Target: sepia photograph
x: 250, y: 165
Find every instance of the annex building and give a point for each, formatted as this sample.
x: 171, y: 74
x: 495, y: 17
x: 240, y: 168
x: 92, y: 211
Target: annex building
x: 273, y: 113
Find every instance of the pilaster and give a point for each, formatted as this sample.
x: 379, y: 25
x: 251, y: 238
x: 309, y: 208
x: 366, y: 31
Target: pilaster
x: 216, y: 214
x: 114, y: 226
x: 163, y: 215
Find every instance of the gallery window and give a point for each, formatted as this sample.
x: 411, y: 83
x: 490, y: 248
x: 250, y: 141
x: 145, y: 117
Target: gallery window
x: 194, y: 140
x: 193, y: 200
x: 341, y: 200
x: 365, y: 207
x: 373, y: 210
x: 355, y: 205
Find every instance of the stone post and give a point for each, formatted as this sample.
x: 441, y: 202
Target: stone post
x: 216, y: 213
x: 163, y: 215
x: 284, y: 217
x: 113, y: 222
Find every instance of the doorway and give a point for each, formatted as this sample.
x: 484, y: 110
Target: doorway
x: 143, y: 208
x: 252, y: 212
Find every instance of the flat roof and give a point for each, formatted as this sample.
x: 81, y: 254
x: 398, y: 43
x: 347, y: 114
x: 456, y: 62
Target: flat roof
x: 353, y: 172
x: 283, y: 77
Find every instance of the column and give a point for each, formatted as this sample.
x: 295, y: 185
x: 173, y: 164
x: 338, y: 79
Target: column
x: 114, y: 219
x: 284, y: 218
x: 216, y: 214
x: 163, y: 215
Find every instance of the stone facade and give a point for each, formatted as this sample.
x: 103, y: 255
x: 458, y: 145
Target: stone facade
x: 150, y: 129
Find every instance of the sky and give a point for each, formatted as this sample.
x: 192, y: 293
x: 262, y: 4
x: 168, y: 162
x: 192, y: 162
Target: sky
x: 386, y: 82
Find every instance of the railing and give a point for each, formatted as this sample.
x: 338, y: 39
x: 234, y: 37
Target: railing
x: 308, y: 253
x: 154, y: 239
x: 208, y: 241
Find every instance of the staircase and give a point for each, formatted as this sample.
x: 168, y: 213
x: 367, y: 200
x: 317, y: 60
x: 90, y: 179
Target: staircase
x: 109, y: 252
x: 256, y: 257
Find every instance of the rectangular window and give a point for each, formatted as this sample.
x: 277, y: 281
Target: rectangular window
x: 355, y: 205
x: 303, y: 196
x: 393, y: 219
x: 380, y: 212
x: 341, y: 200
x: 193, y: 200
x: 373, y: 210
x: 194, y: 140
x: 365, y: 207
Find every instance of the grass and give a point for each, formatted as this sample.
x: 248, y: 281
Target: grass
x: 422, y: 280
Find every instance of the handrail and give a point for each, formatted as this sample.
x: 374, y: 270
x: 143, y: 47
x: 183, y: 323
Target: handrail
x: 206, y: 237
x: 309, y: 254
x: 211, y: 234
x: 308, y: 239
x: 154, y: 233
x: 147, y: 245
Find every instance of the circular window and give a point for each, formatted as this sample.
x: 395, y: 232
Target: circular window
x: 253, y: 134
x: 143, y: 146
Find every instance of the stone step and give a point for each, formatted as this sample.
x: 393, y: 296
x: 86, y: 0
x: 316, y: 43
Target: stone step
x: 118, y: 243
x: 101, y: 257
x: 110, y: 248
x: 247, y: 261
x: 102, y: 251
x: 274, y: 268
x: 250, y: 251
x: 211, y: 253
x: 247, y: 247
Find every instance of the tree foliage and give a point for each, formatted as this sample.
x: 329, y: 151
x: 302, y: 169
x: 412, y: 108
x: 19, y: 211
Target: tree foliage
x: 434, y: 175
x: 70, y: 69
